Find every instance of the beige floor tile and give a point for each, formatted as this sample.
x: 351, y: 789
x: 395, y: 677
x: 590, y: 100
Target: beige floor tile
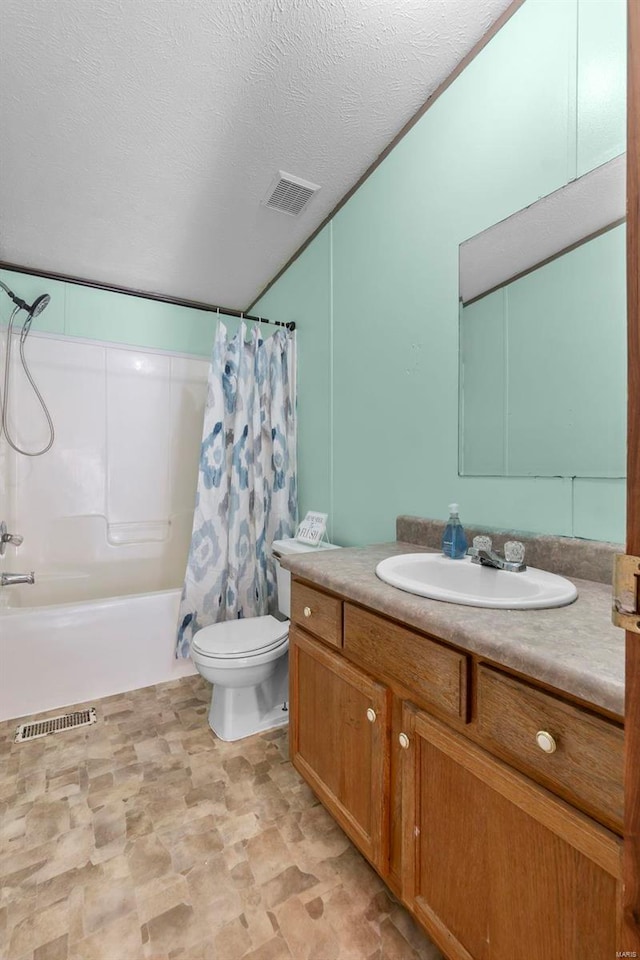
x: 23, y: 860
x: 266, y: 852
x: 59, y: 887
x: 161, y: 895
x: 106, y: 902
x: 287, y: 883
x: 70, y: 850
x: 146, y: 838
x: 45, y: 821
x: 232, y: 940
x: 356, y: 934
x: 173, y: 929
x: 77, y: 915
x: 148, y: 858
x: 213, y: 893
x: 306, y: 935
x: 121, y: 940
x: 39, y: 928
x: 239, y: 828
x: 259, y: 925
x: 274, y: 949
x: 57, y: 949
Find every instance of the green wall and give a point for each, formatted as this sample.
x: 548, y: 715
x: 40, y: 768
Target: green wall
x: 376, y: 293
x: 77, y: 311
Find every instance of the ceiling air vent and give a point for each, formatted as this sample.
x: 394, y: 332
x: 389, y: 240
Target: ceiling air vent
x: 289, y: 194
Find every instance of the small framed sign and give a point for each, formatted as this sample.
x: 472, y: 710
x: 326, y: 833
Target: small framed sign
x: 313, y: 528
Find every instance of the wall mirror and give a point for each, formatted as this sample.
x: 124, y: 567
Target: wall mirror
x: 543, y: 336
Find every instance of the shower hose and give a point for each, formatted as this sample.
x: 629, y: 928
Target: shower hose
x: 4, y: 411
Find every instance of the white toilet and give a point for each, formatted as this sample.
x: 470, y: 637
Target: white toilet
x: 247, y: 663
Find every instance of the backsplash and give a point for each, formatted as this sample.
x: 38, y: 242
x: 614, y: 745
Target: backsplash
x: 567, y: 556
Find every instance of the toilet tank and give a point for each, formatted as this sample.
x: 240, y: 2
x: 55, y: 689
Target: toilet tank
x: 281, y: 548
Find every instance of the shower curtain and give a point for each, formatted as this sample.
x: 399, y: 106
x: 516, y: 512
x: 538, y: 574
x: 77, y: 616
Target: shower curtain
x: 246, y: 496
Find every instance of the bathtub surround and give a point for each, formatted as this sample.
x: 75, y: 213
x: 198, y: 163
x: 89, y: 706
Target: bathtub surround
x: 246, y: 496
x: 105, y: 514
x: 505, y: 133
x: 108, y: 510
x: 144, y: 836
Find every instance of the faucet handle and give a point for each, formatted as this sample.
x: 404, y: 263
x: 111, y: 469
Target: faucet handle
x: 5, y: 538
x: 482, y: 543
x: 514, y: 551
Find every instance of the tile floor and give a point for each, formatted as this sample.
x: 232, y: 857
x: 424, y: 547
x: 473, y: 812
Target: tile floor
x: 146, y: 837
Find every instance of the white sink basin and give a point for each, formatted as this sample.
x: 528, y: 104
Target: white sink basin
x: 461, y: 581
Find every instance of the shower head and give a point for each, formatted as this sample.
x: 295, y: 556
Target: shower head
x: 39, y: 305
x: 36, y: 307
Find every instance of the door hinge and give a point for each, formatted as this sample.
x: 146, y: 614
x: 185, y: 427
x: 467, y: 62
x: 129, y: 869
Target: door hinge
x: 626, y: 592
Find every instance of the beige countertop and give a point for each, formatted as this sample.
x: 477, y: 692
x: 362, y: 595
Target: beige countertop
x: 575, y: 649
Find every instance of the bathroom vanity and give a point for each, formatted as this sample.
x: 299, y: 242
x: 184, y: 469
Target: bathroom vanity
x: 480, y: 775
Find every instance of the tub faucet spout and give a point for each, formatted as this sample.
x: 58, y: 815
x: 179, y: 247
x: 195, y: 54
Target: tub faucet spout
x: 9, y: 579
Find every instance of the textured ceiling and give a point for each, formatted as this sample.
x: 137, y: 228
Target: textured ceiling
x: 139, y: 136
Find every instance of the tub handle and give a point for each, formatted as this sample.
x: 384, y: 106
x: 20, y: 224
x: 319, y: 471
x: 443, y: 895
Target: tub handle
x: 5, y: 537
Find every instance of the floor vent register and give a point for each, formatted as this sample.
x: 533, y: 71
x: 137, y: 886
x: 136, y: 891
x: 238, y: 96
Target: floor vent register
x: 67, y: 721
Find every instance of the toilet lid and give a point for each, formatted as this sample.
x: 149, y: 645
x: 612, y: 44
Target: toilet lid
x: 240, y: 638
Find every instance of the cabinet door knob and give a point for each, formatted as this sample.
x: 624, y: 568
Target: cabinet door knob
x: 371, y: 715
x: 546, y: 742
x: 403, y: 740
x: 307, y: 611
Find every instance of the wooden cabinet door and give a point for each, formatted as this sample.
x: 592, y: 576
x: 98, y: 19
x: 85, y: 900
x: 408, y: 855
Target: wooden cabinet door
x: 494, y: 866
x: 339, y: 730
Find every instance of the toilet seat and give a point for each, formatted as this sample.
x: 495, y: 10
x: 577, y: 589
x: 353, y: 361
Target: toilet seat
x: 235, y: 639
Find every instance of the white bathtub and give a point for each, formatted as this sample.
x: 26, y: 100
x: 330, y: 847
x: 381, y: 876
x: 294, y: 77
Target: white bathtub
x: 67, y: 653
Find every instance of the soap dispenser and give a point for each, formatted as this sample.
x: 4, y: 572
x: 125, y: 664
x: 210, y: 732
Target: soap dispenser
x: 454, y: 540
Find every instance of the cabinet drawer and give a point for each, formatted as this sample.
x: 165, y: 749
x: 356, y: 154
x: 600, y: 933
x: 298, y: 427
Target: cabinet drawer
x: 434, y: 673
x: 586, y: 766
x: 317, y: 612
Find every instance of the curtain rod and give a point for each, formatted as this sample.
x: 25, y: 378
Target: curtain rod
x: 143, y: 294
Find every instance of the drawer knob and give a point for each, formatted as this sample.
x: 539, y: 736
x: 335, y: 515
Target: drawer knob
x: 371, y: 715
x: 546, y: 742
x: 403, y: 740
x: 307, y: 611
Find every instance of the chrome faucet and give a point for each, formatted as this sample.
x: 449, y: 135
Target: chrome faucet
x: 9, y: 579
x: 5, y: 538
x: 482, y: 552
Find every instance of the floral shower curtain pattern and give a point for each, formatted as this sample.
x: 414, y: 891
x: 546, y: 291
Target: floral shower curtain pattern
x: 246, y: 496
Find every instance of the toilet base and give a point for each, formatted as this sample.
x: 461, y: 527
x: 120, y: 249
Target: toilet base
x: 238, y: 712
